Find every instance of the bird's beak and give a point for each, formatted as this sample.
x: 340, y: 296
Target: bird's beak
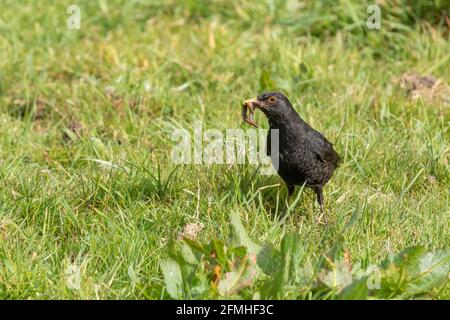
x: 249, y: 104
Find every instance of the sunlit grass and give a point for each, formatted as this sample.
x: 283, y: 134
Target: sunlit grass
x: 136, y: 71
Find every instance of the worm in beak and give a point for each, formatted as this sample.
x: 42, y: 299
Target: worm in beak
x: 249, y: 105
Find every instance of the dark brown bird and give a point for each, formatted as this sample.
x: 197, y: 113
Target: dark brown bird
x: 304, y: 155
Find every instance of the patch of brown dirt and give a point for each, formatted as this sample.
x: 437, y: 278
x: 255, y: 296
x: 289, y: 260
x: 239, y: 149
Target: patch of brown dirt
x: 426, y: 87
x: 191, y: 231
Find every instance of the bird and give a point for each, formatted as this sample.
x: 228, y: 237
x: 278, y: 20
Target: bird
x: 304, y: 155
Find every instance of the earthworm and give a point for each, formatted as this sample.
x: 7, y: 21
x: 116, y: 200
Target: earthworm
x: 248, y: 106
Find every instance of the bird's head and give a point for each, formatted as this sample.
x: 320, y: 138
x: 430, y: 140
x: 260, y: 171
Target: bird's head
x: 275, y: 105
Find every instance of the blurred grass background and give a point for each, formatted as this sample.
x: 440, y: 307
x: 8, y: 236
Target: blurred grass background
x: 114, y: 90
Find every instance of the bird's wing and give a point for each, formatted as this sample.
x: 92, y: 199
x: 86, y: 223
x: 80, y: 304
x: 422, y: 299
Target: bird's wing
x: 321, y: 147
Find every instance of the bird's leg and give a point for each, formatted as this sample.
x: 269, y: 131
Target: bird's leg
x: 319, y: 194
x: 291, y: 189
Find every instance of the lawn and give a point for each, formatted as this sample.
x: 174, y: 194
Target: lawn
x: 90, y: 196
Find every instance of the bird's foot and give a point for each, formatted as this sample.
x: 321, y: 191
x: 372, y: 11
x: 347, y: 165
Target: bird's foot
x: 322, y: 221
x: 322, y: 218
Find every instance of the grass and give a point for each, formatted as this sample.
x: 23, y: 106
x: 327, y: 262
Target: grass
x: 115, y: 90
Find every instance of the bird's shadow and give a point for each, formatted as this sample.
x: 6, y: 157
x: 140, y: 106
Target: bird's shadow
x: 269, y: 193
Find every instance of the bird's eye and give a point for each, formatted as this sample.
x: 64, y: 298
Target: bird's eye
x: 273, y: 99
